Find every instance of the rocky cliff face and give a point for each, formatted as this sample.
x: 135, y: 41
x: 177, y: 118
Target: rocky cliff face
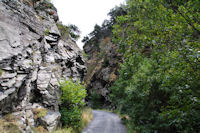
x: 33, y: 58
x: 103, y: 63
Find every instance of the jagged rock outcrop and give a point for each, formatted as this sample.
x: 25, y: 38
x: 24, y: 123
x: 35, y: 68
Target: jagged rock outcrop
x: 33, y: 58
x: 102, y: 63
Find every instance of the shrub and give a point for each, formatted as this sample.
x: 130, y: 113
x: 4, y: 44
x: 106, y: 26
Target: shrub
x: 72, y: 102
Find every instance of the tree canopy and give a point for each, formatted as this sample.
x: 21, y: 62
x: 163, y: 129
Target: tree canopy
x: 158, y: 86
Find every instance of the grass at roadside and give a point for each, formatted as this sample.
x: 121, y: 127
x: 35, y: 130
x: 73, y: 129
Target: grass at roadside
x: 86, y: 118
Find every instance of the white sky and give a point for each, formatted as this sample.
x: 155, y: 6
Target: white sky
x: 84, y: 13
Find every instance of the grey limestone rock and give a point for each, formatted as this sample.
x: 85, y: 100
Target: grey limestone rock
x: 51, y: 120
x: 33, y: 62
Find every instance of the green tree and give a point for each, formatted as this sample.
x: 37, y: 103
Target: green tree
x: 159, y: 78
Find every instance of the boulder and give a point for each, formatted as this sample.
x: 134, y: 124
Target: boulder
x: 51, y: 120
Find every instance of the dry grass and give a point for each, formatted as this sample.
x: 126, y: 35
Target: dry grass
x: 86, y: 117
x: 39, y: 17
x: 39, y: 129
x: 9, y: 125
x: 113, y: 76
x: 29, y: 3
x: 39, y: 112
x: 64, y: 130
x: 106, y: 40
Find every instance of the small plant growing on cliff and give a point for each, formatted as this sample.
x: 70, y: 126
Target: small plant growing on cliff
x: 85, y: 55
x: 1, y: 71
x: 64, y: 30
x: 46, y: 32
x: 69, y: 31
x: 72, y: 102
x: 39, y: 112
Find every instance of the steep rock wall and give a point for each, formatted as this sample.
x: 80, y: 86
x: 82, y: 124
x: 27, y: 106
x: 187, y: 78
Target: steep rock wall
x: 33, y: 58
x: 102, y: 62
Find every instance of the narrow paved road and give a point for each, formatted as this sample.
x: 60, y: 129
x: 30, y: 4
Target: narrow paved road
x: 105, y: 122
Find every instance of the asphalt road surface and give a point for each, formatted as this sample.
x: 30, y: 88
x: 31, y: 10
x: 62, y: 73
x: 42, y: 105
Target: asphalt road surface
x: 105, y: 122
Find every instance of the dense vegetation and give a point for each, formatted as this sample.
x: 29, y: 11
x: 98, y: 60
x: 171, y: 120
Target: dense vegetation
x: 158, y: 87
x: 72, y: 103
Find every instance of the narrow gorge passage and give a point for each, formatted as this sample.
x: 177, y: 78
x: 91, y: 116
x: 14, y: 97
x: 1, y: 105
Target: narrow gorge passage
x: 105, y: 122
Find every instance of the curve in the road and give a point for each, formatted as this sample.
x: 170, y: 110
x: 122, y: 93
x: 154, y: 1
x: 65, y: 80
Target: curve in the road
x: 105, y: 122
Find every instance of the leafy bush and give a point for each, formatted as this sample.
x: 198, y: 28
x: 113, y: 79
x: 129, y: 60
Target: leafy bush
x: 71, y: 117
x: 72, y: 102
x: 85, y: 119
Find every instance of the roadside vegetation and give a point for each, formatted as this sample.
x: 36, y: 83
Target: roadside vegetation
x: 158, y: 86
x: 74, y: 115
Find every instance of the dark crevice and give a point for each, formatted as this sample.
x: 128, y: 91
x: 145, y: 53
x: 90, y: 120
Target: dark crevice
x: 80, y: 60
x: 30, y: 28
x: 69, y: 64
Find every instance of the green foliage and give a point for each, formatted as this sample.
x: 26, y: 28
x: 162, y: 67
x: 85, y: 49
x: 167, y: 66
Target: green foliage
x: 96, y: 100
x: 85, y: 55
x: 74, y: 32
x: 1, y: 71
x: 71, y: 117
x: 72, y: 102
x: 46, y: 32
x: 69, y: 31
x: 158, y: 86
x: 64, y: 30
